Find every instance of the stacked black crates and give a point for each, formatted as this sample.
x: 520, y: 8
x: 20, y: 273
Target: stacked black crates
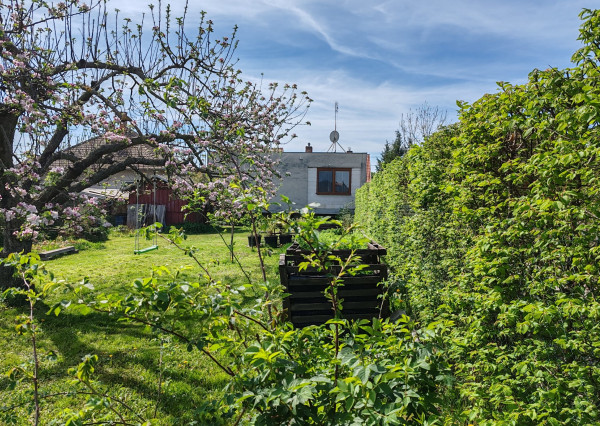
x: 362, y: 294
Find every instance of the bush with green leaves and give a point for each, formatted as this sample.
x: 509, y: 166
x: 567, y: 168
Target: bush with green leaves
x: 336, y: 239
x: 368, y: 372
x: 500, y: 237
x: 383, y: 374
x: 408, y: 209
x: 191, y: 228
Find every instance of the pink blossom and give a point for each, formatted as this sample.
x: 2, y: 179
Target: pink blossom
x: 10, y: 215
x: 33, y: 219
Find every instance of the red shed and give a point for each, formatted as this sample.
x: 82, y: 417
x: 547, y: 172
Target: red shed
x: 168, y: 205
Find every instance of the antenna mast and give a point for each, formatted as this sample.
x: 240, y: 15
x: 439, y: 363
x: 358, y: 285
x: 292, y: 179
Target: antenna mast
x: 334, y: 136
x: 335, y: 117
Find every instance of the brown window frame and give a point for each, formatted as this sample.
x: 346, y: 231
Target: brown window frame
x: 333, y: 170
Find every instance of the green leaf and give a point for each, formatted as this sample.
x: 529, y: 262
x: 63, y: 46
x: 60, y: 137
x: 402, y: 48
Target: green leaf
x: 362, y: 373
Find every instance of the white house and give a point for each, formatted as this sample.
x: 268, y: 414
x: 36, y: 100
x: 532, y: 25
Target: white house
x: 326, y: 179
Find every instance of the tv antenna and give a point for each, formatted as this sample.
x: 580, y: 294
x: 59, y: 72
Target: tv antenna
x: 334, y: 136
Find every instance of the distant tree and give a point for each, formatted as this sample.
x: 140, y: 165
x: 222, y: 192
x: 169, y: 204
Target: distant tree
x: 414, y: 128
x: 391, y: 151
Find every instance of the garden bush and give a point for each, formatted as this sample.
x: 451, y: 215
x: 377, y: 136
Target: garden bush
x: 193, y: 228
x: 493, y: 225
x: 408, y: 209
x: 341, y: 373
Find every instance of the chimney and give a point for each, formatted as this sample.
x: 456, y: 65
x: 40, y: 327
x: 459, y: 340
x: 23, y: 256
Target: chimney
x: 308, y: 148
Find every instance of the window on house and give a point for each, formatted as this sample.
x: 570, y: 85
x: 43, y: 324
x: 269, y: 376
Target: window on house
x: 333, y: 181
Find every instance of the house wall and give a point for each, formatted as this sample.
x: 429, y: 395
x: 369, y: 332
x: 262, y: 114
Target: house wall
x: 332, y: 203
x: 299, y: 178
x: 294, y: 172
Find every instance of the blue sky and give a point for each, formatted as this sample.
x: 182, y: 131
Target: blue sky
x: 379, y: 59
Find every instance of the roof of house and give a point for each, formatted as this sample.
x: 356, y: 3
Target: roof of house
x: 83, y: 149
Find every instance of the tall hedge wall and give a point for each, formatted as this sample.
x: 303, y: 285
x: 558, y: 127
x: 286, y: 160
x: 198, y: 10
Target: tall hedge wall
x: 494, y: 225
x: 407, y: 208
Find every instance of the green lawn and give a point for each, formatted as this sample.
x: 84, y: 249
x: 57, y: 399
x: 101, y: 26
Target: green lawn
x: 115, y: 264
x: 128, y: 364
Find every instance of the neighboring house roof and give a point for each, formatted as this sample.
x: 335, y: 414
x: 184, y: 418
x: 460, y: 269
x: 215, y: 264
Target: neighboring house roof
x: 83, y: 149
x: 113, y: 186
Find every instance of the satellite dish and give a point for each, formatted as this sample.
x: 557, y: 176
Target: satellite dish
x: 334, y: 136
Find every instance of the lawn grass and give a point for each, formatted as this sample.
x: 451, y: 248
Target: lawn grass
x: 113, y: 263
x: 130, y: 356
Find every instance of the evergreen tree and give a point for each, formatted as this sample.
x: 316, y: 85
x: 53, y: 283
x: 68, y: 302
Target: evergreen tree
x: 397, y: 149
x: 414, y: 128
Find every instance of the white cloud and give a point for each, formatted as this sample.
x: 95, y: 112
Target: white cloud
x: 378, y: 59
x: 369, y: 113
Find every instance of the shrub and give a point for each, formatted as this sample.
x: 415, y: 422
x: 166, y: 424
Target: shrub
x: 368, y: 372
x: 193, y: 228
x: 336, y: 238
x: 498, y: 234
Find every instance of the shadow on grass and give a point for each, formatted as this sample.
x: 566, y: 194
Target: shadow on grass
x: 129, y: 357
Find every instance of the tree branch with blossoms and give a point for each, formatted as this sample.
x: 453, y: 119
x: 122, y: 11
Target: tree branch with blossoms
x: 70, y: 73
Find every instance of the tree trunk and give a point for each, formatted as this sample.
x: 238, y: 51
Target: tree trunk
x: 8, y: 125
x: 11, y: 244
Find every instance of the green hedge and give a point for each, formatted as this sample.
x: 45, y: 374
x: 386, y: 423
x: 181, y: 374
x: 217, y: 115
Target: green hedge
x: 494, y: 224
x: 193, y: 228
x: 406, y: 207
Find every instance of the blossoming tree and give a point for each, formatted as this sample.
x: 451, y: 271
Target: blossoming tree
x: 72, y: 71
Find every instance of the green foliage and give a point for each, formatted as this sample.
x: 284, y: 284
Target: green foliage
x: 128, y: 365
x: 346, y: 216
x: 335, y: 239
x: 364, y: 372
x: 390, y: 152
x: 387, y: 374
x: 36, y: 284
x: 492, y: 229
x: 495, y: 228
x: 408, y: 209
x: 193, y: 228
x: 339, y: 373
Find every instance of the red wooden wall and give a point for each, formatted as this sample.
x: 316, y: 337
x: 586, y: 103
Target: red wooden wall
x: 175, y: 214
